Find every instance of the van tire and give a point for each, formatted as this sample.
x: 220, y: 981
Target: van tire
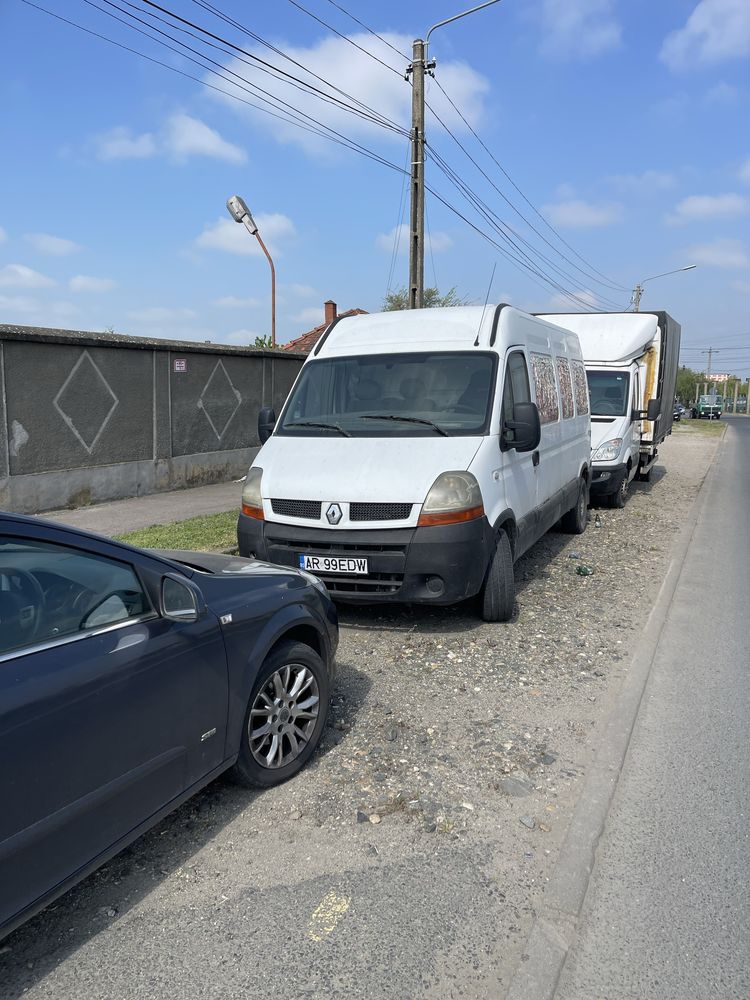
x: 574, y: 521
x: 499, y: 592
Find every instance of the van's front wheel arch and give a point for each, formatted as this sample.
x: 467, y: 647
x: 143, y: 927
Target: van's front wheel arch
x: 498, y: 595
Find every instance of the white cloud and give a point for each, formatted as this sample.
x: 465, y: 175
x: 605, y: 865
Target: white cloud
x: 234, y: 302
x: 243, y: 338
x: 703, y: 207
x: 120, y: 144
x: 227, y: 235
x: 161, y: 314
x: 20, y: 276
x: 55, y: 246
x: 185, y: 136
x: 720, y: 95
x: 312, y: 316
x: 578, y: 28
x: 302, y: 291
x: 86, y: 283
x: 365, y: 80
x: 730, y: 255
x: 744, y: 174
x: 715, y: 31
x: 578, y: 214
x: 3, y: 235
x: 385, y: 241
x: 20, y: 309
x: 645, y: 183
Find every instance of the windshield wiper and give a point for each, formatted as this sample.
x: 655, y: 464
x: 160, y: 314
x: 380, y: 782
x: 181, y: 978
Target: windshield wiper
x: 327, y: 427
x: 405, y: 420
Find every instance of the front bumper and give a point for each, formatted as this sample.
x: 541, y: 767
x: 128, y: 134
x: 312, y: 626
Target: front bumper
x: 606, y: 479
x: 435, y: 565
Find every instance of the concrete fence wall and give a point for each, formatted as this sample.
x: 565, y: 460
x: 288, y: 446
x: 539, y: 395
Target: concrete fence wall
x: 86, y: 417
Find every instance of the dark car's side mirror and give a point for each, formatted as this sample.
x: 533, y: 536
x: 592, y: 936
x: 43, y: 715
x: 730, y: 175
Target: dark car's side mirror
x: 266, y: 423
x: 524, y: 431
x: 653, y: 410
x: 178, y: 601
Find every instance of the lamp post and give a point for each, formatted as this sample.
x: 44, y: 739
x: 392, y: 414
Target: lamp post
x: 638, y: 290
x: 241, y: 213
x: 420, y: 65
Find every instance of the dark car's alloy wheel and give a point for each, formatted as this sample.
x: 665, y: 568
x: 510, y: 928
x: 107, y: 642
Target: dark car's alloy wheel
x: 283, y: 716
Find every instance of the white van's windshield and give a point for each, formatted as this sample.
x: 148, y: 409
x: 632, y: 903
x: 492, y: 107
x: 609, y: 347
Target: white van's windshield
x: 608, y: 392
x: 392, y: 395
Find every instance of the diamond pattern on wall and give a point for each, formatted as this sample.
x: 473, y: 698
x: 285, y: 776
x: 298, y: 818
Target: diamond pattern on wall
x: 219, y: 400
x: 86, y: 401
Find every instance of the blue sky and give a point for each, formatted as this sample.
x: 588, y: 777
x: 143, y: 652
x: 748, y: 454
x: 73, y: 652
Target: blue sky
x: 624, y: 122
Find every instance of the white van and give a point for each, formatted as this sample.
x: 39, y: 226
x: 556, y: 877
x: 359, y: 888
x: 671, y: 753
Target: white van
x: 420, y: 453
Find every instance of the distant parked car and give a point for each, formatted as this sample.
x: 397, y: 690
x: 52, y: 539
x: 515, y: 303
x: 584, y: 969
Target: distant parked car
x: 128, y: 681
x: 677, y: 414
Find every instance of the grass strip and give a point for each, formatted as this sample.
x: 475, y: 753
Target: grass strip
x: 208, y: 533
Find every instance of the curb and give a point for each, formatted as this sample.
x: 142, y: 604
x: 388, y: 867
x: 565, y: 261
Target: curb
x: 554, y: 929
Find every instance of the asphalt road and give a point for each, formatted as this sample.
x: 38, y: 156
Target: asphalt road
x: 667, y: 913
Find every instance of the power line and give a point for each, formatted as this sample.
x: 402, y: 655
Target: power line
x: 330, y: 27
x: 363, y: 25
x: 606, y: 281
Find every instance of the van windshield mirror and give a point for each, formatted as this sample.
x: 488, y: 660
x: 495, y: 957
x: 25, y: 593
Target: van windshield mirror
x: 608, y: 392
x: 393, y: 395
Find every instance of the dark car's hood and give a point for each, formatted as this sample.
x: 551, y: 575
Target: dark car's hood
x: 218, y: 564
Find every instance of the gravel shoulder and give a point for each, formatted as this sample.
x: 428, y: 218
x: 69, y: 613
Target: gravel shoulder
x: 408, y: 860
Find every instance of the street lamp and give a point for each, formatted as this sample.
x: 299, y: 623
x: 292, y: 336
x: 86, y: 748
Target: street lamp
x: 638, y: 290
x: 241, y: 213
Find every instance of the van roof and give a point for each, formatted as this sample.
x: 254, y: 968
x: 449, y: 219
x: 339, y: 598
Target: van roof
x: 455, y: 328
x: 609, y: 337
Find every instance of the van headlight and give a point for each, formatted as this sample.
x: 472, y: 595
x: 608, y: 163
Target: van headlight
x: 453, y: 497
x: 608, y: 451
x: 252, y: 502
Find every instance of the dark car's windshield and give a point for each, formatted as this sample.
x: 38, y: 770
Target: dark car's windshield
x: 388, y: 395
x: 608, y: 392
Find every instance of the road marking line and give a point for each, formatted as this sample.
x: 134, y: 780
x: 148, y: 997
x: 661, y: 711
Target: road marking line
x: 328, y: 913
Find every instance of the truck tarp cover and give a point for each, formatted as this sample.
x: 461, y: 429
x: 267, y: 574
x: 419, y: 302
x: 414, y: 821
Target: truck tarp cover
x: 622, y: 337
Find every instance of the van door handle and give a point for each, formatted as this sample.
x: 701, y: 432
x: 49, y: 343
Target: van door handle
x: 535, y: 459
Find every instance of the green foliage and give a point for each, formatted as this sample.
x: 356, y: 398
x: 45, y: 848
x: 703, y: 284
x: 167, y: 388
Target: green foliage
x: 263, y: 342
x: 399, y: 299
x: 687, y: 382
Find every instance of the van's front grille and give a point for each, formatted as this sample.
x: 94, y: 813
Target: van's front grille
x: 379, y: 511
x: 309, y: 509
x: 375, y: 583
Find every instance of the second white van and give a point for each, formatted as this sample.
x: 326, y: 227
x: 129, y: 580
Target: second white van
x: 420, y: 453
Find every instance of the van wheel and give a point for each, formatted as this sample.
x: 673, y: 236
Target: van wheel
x: 617, y: 500
x: 574, y: 521
x: 285, y: 716
x: 499, y: 591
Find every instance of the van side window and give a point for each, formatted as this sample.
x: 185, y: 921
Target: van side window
x: 566, y: 388
x: 545, y: 385
x: 516, y: 388
x: 581, y: 387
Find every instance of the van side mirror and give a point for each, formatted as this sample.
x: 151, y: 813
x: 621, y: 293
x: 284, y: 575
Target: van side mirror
x: 524, y: 431
x: 654, y: 409
x: 266, y: 423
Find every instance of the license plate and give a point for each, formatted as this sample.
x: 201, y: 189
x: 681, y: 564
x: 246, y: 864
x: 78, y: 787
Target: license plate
x: 333, y: 564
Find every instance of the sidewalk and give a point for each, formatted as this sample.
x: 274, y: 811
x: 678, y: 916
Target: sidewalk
x: 120, y: 516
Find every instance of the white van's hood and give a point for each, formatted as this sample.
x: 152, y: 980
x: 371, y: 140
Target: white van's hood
x: 602, y: 431
x: 365, y: 470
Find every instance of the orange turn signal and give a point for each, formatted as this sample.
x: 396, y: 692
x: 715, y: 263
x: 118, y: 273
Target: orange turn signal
x: 256, y: 512
x: 450, y: 516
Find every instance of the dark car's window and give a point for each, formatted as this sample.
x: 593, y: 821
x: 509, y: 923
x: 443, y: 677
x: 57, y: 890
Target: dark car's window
x: 52, y: 591
x: 392, y: 395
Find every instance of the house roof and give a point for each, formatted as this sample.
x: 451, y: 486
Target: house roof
x: 307, y: 341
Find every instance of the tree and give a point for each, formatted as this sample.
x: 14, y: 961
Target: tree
x: 687, y: 382
x: 399, y: 299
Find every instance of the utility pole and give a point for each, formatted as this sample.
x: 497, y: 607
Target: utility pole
x: 638, y: 290
x: 736, y: 394
x: 416, y: 216
x: 420, y: 66
x: 710, y: 352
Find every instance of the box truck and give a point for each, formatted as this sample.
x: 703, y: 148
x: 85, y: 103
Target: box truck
x: 631, y: 366
x: 420, y: 453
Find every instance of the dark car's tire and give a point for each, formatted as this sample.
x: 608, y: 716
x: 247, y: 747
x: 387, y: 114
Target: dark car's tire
x: 498, y: 595
x: 275, y: 712
x: 574, y: 521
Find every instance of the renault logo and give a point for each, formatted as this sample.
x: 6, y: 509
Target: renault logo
x: 333, y: 514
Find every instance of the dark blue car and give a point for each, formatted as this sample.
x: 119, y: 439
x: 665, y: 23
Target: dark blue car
x: 128, y: 681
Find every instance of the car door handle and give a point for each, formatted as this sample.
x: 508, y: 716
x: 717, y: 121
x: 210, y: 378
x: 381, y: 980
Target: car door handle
x: 535, y: 459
